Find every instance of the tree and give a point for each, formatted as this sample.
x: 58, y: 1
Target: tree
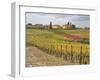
x: 68, y: 23
x: 73, y: 26
x: 50, y: 26
x: 29, y: 24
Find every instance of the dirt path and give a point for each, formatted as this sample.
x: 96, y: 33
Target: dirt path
x: 36, y: 57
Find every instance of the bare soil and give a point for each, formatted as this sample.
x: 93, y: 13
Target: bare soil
x: 36, y: 57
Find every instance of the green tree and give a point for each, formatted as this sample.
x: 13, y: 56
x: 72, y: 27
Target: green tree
x: 73, y: 26
x: 50, y: 26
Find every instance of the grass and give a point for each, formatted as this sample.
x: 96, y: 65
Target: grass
x: 48, y: 47
x: 55, y: 38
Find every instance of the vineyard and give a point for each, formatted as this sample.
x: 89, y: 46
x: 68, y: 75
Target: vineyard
x: 70, y: 45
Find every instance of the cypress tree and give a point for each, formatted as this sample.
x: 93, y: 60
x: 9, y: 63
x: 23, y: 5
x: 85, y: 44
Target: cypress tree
x: 50, y: 26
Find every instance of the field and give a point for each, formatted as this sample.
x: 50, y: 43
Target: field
x: 59, y: 47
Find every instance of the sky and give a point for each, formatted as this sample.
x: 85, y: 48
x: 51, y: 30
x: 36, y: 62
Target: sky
x: 60, y: 19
